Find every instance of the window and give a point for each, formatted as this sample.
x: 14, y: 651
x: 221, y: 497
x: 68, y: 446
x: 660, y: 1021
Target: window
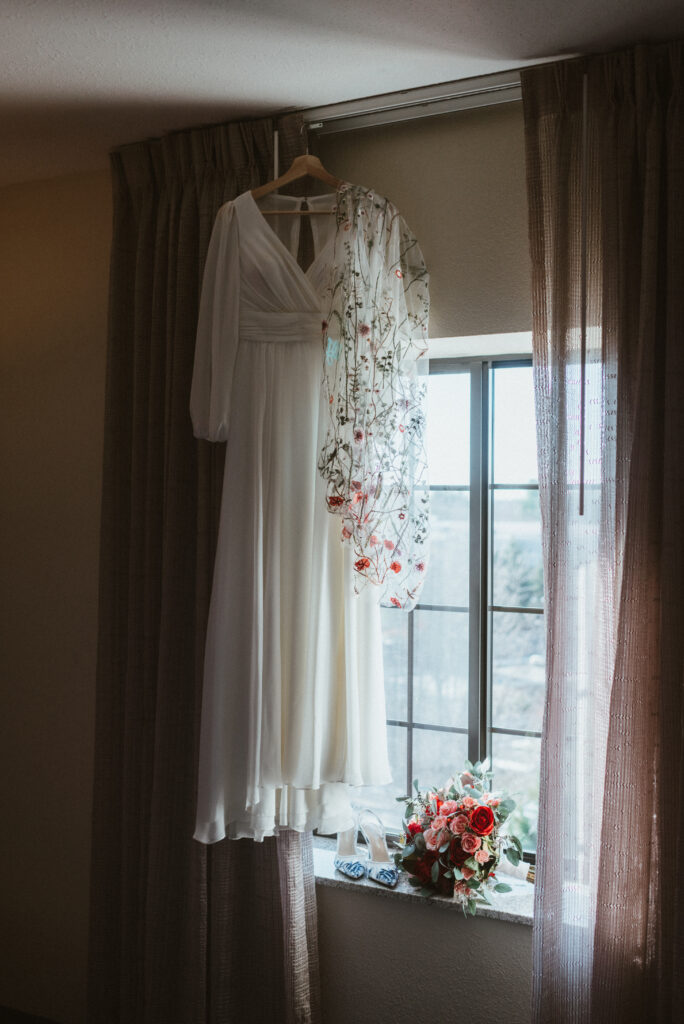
x: 464, y: 671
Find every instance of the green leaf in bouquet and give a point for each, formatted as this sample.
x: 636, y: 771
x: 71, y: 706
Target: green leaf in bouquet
x: 426, y: 891
x: 507, y: 805
x: 419, y: 842
x: 472, y: 863
x: 485, y: 895
x: 415, y: 882
x: 472, y: 907
x: 513, y: 856
x: 398, y: 859
x: 502, y: 887
x: 473, y: 883
x: 444, y: 847
x: 409, y: 850
x: 458, y: 874
x: 415, y: 786
x: 469, y: 766
x: 518, y: 845
x: 434, y: 872
x: 449, y: 873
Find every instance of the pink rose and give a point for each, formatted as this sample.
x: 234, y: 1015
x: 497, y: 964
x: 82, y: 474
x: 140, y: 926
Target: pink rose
x: 467, y: 779
x: 433, y: 838
x: 440, y: 821
x: 482, y: 856
x: 494, y: 803
x: 449, y: 807
x: 468, y: 801
x: 467, y: 872
x: 470, y: 843
x: 459, y: 824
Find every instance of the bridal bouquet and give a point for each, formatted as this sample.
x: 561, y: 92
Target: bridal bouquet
x: 454, y: 838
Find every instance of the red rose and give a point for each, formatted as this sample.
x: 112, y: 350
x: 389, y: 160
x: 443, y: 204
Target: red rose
x: 335, y: 501
x: 423, y: 868
x: 361, y: 564
x: 482, y: 820
x: 457, y: 853
x: 412, y: 828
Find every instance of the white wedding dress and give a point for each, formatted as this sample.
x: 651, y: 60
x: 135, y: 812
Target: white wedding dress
x: 293, y: 709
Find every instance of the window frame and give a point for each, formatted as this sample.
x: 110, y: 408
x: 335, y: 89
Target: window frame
x: 481, y: 608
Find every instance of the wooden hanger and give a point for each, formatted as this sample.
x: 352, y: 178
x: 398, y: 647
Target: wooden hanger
x: 301, y: 166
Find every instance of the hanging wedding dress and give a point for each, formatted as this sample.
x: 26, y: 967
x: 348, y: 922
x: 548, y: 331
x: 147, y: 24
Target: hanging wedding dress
x: 293, y: 710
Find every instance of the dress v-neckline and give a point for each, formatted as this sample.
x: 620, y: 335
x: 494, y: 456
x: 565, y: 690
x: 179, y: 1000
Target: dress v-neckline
x: 280, y: 245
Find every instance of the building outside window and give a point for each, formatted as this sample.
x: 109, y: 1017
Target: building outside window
x: 464, y: 672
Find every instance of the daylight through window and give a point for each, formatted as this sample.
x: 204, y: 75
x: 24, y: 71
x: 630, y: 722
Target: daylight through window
x: 464, y: 672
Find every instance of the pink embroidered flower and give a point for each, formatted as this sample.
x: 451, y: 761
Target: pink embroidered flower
x: 470, y: 843
x: 356, y: 485
x: 398, y: 273
x: 482, y: 856
x: 395, y: 566
x: 374, y: 540
x: 395, y: 601
x: 402, y: 515
x: 449, y: 806
x: 346, y: 533
x: 358, y: 435
x: 459, y: 824
x: 420, y: 566
x: 467, y: 872
x: 364, y: 330
x: 401, y: 427
x: 357, y: 497
x: 389, y: 545
x: 361, y: 564
x: 439, y: 821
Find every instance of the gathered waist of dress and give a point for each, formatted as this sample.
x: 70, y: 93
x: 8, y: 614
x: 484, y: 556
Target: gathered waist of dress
x: 280, y: 327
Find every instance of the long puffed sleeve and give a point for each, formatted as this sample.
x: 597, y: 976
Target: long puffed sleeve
x: 373, y: 457
x: 217, y: 331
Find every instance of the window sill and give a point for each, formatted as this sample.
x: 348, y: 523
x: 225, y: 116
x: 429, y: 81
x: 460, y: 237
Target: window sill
x: 514, y: 907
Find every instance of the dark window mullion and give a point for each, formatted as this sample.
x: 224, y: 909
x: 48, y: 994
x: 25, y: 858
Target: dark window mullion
x: 409, y: 706
x: 479, y: 426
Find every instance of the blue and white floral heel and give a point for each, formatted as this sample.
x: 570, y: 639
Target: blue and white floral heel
x: 380, y: 867
x: 347, y: 859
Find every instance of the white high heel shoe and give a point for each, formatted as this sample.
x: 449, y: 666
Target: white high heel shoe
x: 347, y: 859
x: 380, y: 867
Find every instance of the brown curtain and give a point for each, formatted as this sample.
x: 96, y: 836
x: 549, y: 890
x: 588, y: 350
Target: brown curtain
x: 605, y: 167
x: 180, y: 933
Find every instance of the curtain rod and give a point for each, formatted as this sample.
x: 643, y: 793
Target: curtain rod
x: 428, y: 101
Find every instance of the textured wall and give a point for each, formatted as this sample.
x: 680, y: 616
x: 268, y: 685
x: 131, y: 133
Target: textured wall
x: 383, y: 962
x: 54, y: 248
x: 459, y: 181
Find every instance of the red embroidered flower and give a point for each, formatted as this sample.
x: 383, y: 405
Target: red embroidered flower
x: 324, y: 325
x: 358, y: 435
x: 395, y: 566
x: 356, y: 485
x: 402, y: 516
x: 361, y: 564
x: 420, y: 566
x: 364, y: 330
x: 398, y: 273
x: 335, y: 501
x: 395, y: 601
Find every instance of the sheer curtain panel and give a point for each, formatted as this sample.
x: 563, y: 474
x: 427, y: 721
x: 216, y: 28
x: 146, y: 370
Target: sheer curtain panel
x: 605, y: 171
x: 180, y: 933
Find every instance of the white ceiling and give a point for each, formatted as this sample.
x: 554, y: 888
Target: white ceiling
x: 78, y: 77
